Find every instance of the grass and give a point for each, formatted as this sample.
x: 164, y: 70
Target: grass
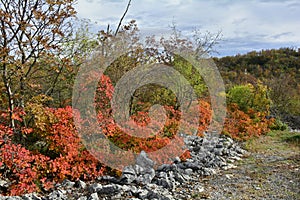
x: 271, y: 167
x: 283, y: 135
x: 275, y: 141
x: 293, y: 138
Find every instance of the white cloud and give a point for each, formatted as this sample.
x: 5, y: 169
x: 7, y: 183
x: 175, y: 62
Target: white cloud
x: 269, y: 23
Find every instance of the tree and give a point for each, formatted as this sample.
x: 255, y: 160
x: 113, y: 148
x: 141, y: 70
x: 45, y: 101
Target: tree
x: 32, y: 33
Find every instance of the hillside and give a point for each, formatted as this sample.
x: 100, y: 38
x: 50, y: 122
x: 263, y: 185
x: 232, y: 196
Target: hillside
x: 278, y: 69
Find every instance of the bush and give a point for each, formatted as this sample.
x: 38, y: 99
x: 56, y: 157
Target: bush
x: 279, y: 125
x: 250, y: 97
x: 31, y: 168
x: 242, y: 125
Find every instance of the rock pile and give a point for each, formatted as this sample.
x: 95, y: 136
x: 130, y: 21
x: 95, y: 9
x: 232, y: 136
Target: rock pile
x: 169, y: 181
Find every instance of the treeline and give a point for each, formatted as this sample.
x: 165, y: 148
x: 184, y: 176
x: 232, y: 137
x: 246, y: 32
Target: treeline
x: 277, y: 69
x: 263, y: 65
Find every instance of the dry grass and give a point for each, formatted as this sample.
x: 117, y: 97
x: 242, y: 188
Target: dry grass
x: 270, y: 171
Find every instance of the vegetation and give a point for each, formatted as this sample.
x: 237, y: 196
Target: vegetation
x: 277, y: 69
x: 41, y: 52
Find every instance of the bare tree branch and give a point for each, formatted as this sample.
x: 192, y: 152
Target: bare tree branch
x: 120, y: 22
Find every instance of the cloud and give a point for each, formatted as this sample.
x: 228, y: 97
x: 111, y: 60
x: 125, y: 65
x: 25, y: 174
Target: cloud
x: 244, y: 24
x: 281, y: 35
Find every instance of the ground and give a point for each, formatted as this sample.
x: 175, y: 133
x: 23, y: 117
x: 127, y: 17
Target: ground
x: 270, y: 170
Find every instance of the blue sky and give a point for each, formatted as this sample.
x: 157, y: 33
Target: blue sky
x: 246, y: 25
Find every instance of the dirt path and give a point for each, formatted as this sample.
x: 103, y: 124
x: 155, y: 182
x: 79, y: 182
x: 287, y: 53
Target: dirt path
x: 271, y: 170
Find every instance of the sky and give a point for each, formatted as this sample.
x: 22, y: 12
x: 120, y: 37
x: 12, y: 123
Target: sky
x: 245, y: 25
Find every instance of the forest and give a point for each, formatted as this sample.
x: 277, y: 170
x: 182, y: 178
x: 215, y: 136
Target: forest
x: 42, y: 50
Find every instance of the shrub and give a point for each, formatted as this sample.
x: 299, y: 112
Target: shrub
x: 279, y: 125
x: 242, y: 125
x: 250, y: 97
x: 31, y: 168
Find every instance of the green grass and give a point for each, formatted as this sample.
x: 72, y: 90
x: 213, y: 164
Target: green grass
x: 294, y: 139
x: 275, y: 141
x: 286, y: 136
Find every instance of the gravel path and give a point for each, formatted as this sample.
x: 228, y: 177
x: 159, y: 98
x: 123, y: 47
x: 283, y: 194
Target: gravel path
x: 271, y: 170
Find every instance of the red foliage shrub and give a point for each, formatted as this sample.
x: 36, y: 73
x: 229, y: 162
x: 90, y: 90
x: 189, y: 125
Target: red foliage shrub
x: 186, y: 155
x: 31, y: 171
x: 242, y: 126
x: 74, y: 160
x: 23, y: 168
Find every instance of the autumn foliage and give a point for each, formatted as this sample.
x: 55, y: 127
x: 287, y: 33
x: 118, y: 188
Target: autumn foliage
x: 62, y: 155
x: 242, y: 125
x: 39, y: 142
x: 53, y: 151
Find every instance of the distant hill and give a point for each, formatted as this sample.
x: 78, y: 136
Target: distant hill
x: 279, y: 69
x: 263, y: 65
